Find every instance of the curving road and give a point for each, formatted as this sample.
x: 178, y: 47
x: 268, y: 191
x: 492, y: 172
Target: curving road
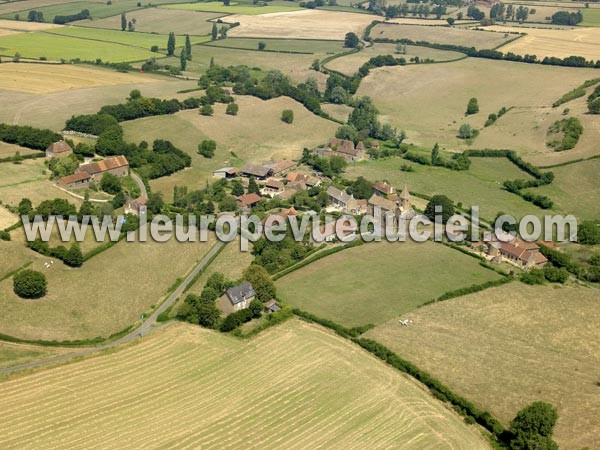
x: 146, y: 327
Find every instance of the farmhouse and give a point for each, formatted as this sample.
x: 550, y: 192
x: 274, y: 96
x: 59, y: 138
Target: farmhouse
x: 258, y: 172
x: 280, y: 168
x: 294, y: 177
x: 272, y: 187
x: 383, y: 189
x: 225, y: 172
x: 116, y: 165
x: 58, y: 149
x: 384, y: 205
x: 77, y: 180
x: 249, y: 200
x: 342, y: 200
x: 343, y: 148
x: 526, y: 255
x: 236, y: 298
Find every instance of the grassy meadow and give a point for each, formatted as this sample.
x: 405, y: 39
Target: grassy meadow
x: 256, y: 134
x: 375, y: 282
x: 435, y: 96
x: 506, y: 347
x: 312, y: 46
x: 159, y: 20
x: 15, y: 354
x: 106, y: 295
x: 233, y: 8
x: 301, y: 386
x: 480, y: 185
x: 591, y: 18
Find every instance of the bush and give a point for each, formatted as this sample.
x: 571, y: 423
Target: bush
x: 534, y: 276
x: 232, y: 109
x: 207, y: 148
x: 207, y: 110
x: 262, y: 45
x: 30, y: 284
x: 235, y: 319
x: 73, y: 257
x: 287, y: 116
x: 555, y: 274
x: 472, y: 107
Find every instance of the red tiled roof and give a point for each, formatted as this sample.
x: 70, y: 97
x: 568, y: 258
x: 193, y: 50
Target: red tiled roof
x: 106, y: 164
x: 59, y: 147
x: 82, y: 176
x: 249, y: 199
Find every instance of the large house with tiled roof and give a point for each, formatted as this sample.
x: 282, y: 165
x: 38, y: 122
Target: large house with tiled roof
x: 58, y: 149
x: 116, y: 165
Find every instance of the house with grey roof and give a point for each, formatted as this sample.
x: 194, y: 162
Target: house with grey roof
x: 236, y: 298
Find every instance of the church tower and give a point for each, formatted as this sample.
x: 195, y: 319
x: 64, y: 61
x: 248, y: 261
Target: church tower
x: 405, y: 199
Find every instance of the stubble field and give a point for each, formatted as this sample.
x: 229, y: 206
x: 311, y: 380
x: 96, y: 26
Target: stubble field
x: 293, y: 386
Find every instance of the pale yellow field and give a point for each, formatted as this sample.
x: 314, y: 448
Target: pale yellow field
x: 50, y: 78
x: 506, y: 347
x: 549, y: 42
x: 7, y: 218
x: 294, y: 386
x: 308, y: 24
x: 7, y: 150
x: 21, y: 5
x: 4, y: 32
x: 26, y: 26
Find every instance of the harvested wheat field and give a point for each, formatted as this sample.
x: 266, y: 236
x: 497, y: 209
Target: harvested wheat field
x: 308, y: 24
x: 50, y: 78
x: 7, y: 218
x: 441, y: 35
x: 548, y: 42
x: 506, y: 347
x: 26, y: 26
x: 294, y: 386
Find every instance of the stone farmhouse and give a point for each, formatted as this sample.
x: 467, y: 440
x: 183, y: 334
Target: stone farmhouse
x: 252, y: 170
x: 343, y: 148
x: 116, y: 165
x: 387, y: 200
x: 343, y: 201
x: 75, y: 181
x: 525, y: 255
x: 58, y: 149
x: 236, y: 298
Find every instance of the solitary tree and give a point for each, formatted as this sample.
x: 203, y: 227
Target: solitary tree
x: 171, y: 44
x: 30, y: 284
x: 450, y: 21
x: 183, y: 60
x: 435, y: 154
x: 262, y: 45
x: 188, y: 47
x: 472, y: 107
x: 214, y: 31
x: 123, y: 22
x: 232, y: 109
x: 110, y: 183
x: 439, y: 209
x: 351, y: 40
x: 207, y: 110
x: 533, y: 426
x: 207, y: 148
x: 287, y: 115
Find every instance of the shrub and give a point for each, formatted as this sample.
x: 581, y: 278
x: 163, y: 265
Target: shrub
x: 534, y: 276
x: 234, y: 320
x: 472, y: 106
x: 154, y: 48
x: 287, y: 116
x: 30, y: 284
x: 262, y: 45
x: 207, y: 148
x: 232, y: 109
x: 555, y: 274
x: 207, y: 110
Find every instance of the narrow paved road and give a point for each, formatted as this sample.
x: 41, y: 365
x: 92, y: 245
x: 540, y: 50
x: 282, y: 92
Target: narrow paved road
x: 147, y: 327
x: 138, y: 180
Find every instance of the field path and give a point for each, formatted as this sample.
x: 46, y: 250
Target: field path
x: 146, y: 327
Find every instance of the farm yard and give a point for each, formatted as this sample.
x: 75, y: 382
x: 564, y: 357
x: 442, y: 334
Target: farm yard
x: 429, y: 117
x: 256, y: 134
x: 366, y: 404
x: 442, y: 35
x: 395, y: 278
x: 508, y: 346
x: 106, y: 295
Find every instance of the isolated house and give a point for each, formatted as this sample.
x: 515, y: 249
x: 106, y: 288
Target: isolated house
x: 77, y: 180
x: 58, y: 149
x: 116, y: 165
x: 236, y: 298
x: 526, y: 255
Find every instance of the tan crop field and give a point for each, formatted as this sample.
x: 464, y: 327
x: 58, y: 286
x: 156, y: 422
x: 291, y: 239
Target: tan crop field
x: 7, y: 218
x: 506, y: 347
x: 435, y: 96
x: 441, y: 35
x: 14, y: 6
x: 294, y: 386
x: 53, y: 109
x: 14, y: 25
x: 548, y: 42
x: 7, y: 150
x: 394, y: 278
x: 50, y: 78
x: 159, y: 20
x: 349, y: 64
x: 308, y: 24
x: 107, y: 294
x: 256, y: 134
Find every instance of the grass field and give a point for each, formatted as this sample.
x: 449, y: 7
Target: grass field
x: 441, y: 35
x: 159, y: 20
x: 15, y: 354
x: 256, y: 134
x: 52, y: 110
x: 306, y: 24
x: 506, y: 347
x: 7, y: 150
x: 340, y: 112
x: 480, y: 185
x: 165, y: 391
x: 285, y: 45
x: 560, y: 43
x: 7, y: 218
x: 591, y: 18
x: 575, y: 189
x: 50, y: 78
x: 56, y: 47
x: 104, y: 296
x: 234, y: 8
x: 349, y: 64
x: 435, y: 96
x: 141, y: 40
x: 7, y: 7
x: 375, y: 282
